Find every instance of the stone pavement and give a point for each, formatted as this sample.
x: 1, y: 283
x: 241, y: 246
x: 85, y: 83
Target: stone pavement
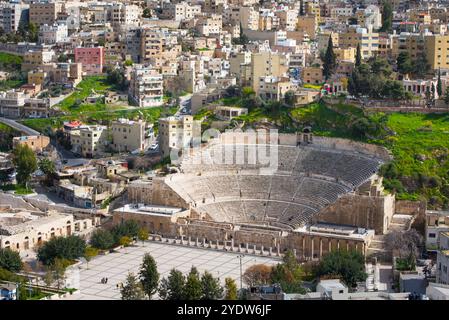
x: 115, y: 266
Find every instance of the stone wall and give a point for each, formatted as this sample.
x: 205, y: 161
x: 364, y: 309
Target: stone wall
x: 362, y: 211
x: 411, y: 207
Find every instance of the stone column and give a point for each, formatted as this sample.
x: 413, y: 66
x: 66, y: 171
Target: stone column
x: 261, y: 250
x: 329, y: 240
x: 271, y: 251
x: 312, y: 247
x: 321, y: 247
x: 217, y: 245
x: 294, y: 252
x: 338, y: 244
x: 247, y: 247
x: 303, y: 247
x: 278, y: 253
x: 232, y: 244
x: 204, y: 242
x: 254, y: 251
x: 182, y: 239
x: 196, y: 242
x: 190, y: 238
x: 347, y: 245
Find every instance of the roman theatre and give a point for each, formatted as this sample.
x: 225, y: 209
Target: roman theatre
x: 323, y: 194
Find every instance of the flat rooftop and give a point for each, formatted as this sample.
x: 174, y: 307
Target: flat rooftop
x: 149, y: 209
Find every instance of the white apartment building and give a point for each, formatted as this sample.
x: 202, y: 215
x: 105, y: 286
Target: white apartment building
x: 442, y: 275
x: 53, y: 34
x: 129, y: 135
x: 146, y: 87
x: 184, y: 11
x: 11, y: 103
x: 125, y: 15
x: 89, y: 141
x: 177, y: 133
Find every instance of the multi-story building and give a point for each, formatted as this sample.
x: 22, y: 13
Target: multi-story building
x: 129, y: 135
x: 11, y: 103
x: 312, y: 75
x: 365, y: 37
x: 69, y: 74
x: 124, y: 15
x: 177, y: 133
x: 36, y: 108
x: 146, y: 86
x: 274, y: 88
x: 22, y: 230
x: 91, y: 59
x: 53, y: 34
x: 437, y: 51
x: 36, y: 143
x: 89, y: 141
x: 287, y: 19
x: 267, y: 64
x: 13, y: 15
x: 308, y: 25
x: 249, y: 18
x: 183, y: 11
x: 442, y: 274
x: 33, y: 59
x: 44, y: 12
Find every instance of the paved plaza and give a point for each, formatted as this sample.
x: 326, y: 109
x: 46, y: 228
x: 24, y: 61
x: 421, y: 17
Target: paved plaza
x: 115, y: 266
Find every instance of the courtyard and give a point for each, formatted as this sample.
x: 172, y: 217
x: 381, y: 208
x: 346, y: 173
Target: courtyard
x: 115, y: 266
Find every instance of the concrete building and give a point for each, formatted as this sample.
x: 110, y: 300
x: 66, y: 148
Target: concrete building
x: 266, y: 64
x: 184, y: 11
x: 368, y: 40
x: 53, y: 34
x: 91, y: 59
x: 11, y: 103
x: 331, y: 287
x: 33, y: 59
x: 129, y: 135
x: 312, y: 75
x: 89, y: 141
x: 177, y: 133
x: 22, y: 230
x: 44, y: 12
x: 125, y: 15
x: 273, y: 88
x: 13, y: 15
x: 36, y: 143
x: 146, y: 86
x: 155, y: 219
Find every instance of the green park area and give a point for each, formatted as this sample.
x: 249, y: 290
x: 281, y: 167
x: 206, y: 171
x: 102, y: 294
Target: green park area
x: 11, y: 64
x: 75, y: 108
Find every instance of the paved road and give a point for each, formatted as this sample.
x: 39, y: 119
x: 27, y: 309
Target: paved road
x: 18, y: 126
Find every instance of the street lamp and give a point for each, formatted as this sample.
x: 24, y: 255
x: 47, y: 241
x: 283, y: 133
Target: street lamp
x: 240, y: 256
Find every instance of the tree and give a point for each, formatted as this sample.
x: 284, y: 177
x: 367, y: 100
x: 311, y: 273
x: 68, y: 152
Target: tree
x: 347, y: 265
x: 25, y: 161
x: 89, y: 253
x: 58, y: 267
x: 256, y: 275
x: 230, y: 289
x: 149, y: 277
x: 211, y: 287
x: 387, y: 17
x: 102, y: 239
x: 125, y: 241
x: 421, y: 65
x: 193, y: 289
x: 129, y: 228
x: 33, y: 32
x: 172, y: 288
x: 358, y: 56
x: 289, y: 98
x: 404, y: 244
x: 146, y: 13
x: 70, y: 248
x: 10, y: 260
x: 63, y: 58
x: 48, y: 168
x: 143, y: 235
x: 446, y: 97
x: 132, y: 290
x: 288, y: 274
x: 330, y: 60
x: 439, y: 84
x: 404, y: 63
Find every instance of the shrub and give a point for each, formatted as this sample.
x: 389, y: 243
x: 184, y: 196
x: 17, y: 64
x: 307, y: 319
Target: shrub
x: 102, y: 239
